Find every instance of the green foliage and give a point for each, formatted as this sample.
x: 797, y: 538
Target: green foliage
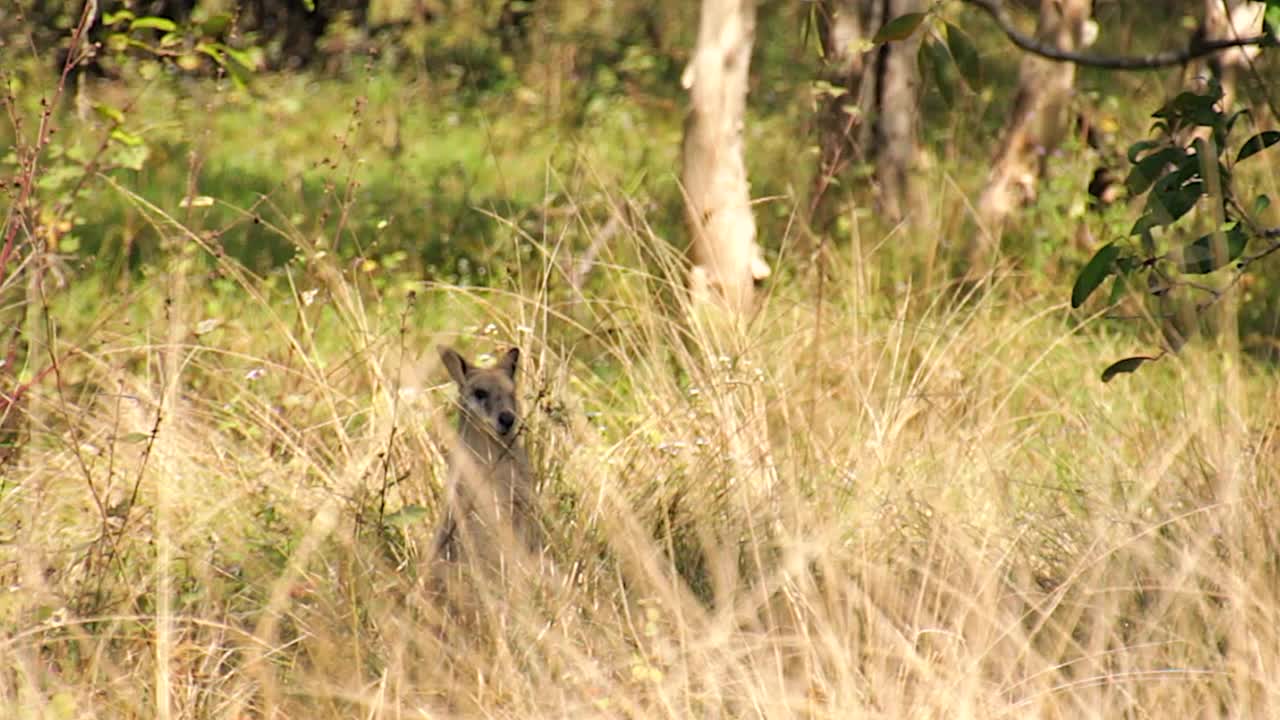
x: 1099, y: 267
x: 965, y: 55
x: 1178, y: 171
x: 1126, y: 365
x: 935, y: 58
x: 944, y: 54
x: 1258, y: 143
x: 899, y: 28
x: 190, y: 46
x: 1205, y: 254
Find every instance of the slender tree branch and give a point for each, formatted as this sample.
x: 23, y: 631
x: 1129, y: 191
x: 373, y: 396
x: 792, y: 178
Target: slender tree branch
x: 29, y: 161
x: 1196, y: 49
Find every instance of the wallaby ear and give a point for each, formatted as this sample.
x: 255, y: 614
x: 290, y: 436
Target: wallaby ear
x: 508, y: 363
x: 457, y: 365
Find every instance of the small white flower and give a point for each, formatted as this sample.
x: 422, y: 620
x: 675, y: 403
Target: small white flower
x: 195, y: 202
x: 207, y: 326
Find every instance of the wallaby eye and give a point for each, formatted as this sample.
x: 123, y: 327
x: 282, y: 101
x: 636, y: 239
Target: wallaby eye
x: 480, y: 394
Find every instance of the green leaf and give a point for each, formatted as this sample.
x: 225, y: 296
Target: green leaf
x: 1193, y: 108
x: 938, y: 60
x: 114, y: 18
x: 136, y: 437
x: 404, y: 516
x: 1149, y: 169
x: 1167, y: 203
x: 236, y: 62
x: 109, y: 112
x: 1119, y: 288
x: 965, y: 55
x: 899, y: 28
x: 1126, y: 365
x: 310, y: 5
x: 238, y: 57
x: 1140, y: 147
x: 210, y: 49
x: 153, y: 23
x: 1260, y: 203
x: 1258, y: 143
x: 1144, y: 225
x: 1095, y: 271
x: 124, y: 137
x: 1199, y: 257
x: 216, y: 25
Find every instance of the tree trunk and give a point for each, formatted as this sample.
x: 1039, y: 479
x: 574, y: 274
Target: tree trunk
x: 897, y: 117
x: 726, y: 258
x: 1037, y: 124
x: 1224, y: 20
x: 839, y: 121
x: 871, y: 112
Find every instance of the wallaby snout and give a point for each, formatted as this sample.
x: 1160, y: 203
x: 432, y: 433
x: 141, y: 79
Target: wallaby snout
x: 506, y: 422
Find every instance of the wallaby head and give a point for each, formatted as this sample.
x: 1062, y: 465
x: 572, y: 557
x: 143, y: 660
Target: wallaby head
x: 487, y: 395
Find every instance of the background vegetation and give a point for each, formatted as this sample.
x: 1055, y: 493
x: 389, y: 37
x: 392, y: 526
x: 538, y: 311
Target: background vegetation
x: 236, y: 233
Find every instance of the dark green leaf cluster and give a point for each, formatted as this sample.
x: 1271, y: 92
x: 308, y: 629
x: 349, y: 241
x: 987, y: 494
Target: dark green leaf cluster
x: 942, y: 58
x: 1178, y: 170
x: 189, y: 46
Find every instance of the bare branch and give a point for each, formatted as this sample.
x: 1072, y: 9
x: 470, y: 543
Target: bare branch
x: 1196, y: 49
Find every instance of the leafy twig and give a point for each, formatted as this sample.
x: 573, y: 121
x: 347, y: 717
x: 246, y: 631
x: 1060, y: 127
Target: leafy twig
x: 27, y: 176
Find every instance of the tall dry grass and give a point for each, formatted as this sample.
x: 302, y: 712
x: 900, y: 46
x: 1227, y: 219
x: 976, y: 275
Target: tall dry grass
x: 915, y: 502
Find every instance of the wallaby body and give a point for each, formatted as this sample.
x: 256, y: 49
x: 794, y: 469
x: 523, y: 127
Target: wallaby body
x: 489, y: 518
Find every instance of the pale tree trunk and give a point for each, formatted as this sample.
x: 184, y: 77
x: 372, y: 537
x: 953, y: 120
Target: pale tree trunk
x: 726, y: 258
x: 875, y: 118
x: 897, y: 117
x: 1225, y: 20
x: 1035, y: 127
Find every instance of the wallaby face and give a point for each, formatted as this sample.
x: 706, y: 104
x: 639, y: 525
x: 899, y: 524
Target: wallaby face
x: 488, y: 395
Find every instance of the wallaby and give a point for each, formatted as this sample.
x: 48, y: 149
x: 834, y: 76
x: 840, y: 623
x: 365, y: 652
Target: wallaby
x: 489, y: 518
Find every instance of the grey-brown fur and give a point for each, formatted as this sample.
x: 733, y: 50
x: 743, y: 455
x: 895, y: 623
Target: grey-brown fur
x: 489, y: 518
